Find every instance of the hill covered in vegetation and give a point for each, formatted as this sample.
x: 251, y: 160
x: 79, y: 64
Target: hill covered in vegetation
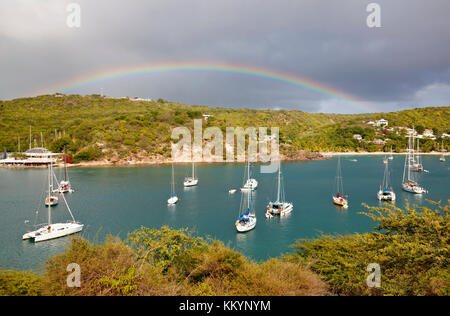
x: 411, y: 246
x: 117, y: 129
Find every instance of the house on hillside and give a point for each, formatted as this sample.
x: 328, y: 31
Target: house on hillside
x: 357, y: 137
x: 206, y: 116
x: 382, y: 122
x: 379, y: 142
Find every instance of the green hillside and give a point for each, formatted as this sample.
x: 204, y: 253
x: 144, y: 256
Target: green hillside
x: 93, y: 127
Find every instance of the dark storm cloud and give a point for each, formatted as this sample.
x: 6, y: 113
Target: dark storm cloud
x: 404, y: 63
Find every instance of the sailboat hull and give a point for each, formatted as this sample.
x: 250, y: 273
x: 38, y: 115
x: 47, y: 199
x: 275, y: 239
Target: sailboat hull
x: 52, y: 201
x: 250, y: 185
x: 246, y: 226
x: 386, y: 196
x: 64, y: 187
x: 281, y: 209
x: 190, y: 182
x: 53, y: 231
x: 340, y: 201
x: 413, y: 188
x: 172, y: 200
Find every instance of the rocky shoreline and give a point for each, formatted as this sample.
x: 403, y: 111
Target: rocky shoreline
x: 297, y: 156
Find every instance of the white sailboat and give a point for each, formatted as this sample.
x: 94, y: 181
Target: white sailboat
x: 279, y: 206
x: 54, y: 230
x: 340, y: 199
x: 251, y: 184
x: 173, y: 198
x: 191, y: 181
x: 442, y: 159
x: 246, y: 220
x: 51, y: 199
x: 409, y: 183
x: 64, y: 186
x: 391, y: 157
x: 386, y: 193
x: 416, y: 162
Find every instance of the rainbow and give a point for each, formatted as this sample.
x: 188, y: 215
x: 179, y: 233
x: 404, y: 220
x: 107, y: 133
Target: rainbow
x: 215, y: 67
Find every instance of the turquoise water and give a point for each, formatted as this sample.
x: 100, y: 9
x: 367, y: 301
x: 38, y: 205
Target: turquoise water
x: 119, y: 200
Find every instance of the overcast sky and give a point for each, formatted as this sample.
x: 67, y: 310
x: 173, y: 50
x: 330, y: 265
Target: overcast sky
x: 403, y: 64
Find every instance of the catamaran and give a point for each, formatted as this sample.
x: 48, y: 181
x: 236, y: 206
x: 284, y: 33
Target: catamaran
x: 64, y: 185
x: 191, y: 181
x: 280, y: 206
x: 386, y: 193
x: 409, y: 183
x: 51, y: 199
x: 173, y: 198
x: 54, y: 230
x: 251, y: 184
x: 340, y: 199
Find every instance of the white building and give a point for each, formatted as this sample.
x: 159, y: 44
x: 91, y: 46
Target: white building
x: 358, y: 137
x: 35, y: 157
x: 382, y: 122
x: 428, y: 133
x: 206, y: 116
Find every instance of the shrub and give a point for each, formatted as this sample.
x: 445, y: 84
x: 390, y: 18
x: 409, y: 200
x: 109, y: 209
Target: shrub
x: 88, y: 154
x: 411, y: 246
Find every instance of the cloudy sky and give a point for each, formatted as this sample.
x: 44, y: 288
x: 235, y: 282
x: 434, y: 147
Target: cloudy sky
x: 403, y: 64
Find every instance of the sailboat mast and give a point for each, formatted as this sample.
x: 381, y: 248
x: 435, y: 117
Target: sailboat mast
x: 279, y: 182
x: 49, y: 194
x: 65, y: 166
x: 172, y: 183
x: 193, y: 172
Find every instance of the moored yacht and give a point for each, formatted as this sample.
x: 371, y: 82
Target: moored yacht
x: 192, y: 180
x: 386, y: 193
x: 279, y: 206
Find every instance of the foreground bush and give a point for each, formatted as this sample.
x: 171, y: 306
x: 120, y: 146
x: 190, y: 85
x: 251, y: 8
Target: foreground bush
x: 164, y: 262
x: 412, y: 247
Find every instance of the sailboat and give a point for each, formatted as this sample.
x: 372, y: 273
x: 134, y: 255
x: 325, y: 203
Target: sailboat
x: 251, y: 184
x: 442, y: 150
x: 247, y: 218
x: 173, y: 198
x: 409, y: 184
x: 391, y: 157
x: 386, y: 193
x: 416, y: 162
x: 54, y: 230
x: 64, y: 185
x: 191, y: 181
x: 280, y: 206
x: 339, y: 198
x: 51, y: 199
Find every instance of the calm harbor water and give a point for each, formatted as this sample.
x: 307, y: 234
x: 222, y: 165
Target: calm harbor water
x: 118, y: 200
